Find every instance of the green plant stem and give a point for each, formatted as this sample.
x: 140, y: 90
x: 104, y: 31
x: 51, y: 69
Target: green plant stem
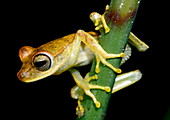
x: 120, y: 19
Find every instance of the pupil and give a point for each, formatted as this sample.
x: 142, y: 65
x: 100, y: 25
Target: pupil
x: 40, y: 63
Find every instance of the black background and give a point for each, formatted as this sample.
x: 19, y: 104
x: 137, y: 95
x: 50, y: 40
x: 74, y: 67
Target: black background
x: 36, y: 23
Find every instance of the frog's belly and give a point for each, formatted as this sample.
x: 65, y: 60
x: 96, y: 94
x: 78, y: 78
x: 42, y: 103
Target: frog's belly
x: 85, y: 56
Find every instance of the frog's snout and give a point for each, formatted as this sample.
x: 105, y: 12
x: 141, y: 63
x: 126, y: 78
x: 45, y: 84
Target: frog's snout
x: 20, y: 75
x: 23, y: 74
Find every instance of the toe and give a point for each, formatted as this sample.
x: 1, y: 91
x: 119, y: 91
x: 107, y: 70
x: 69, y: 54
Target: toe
x: 118, y: 70
x: 107, y: 89
x: 97, y: 104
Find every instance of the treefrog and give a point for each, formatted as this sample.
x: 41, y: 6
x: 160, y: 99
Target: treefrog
x: 74, y: 50
x: 62, y: 54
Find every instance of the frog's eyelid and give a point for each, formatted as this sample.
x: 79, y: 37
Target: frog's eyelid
x: 24, y: 52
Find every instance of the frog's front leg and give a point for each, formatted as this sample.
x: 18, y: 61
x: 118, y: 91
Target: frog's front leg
x: 99, y: 52
x: 84, y: 84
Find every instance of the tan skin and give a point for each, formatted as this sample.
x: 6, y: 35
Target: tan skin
x: 62, y: 54
x: 74, y: 50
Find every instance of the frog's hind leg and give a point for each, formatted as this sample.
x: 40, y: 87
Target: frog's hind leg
x: 99, y: 20
x: 135, y: 41
x: 126, y: 79
x: 107, y: 29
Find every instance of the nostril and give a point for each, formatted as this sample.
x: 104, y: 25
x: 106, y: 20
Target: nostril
x: 20, y: 75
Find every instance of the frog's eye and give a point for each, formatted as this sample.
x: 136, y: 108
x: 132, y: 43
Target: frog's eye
x: 42, y: 62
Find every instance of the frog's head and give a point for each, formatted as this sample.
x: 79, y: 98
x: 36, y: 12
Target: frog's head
x: 37, y: 64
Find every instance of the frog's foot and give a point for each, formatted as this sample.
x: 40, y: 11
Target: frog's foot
x: 78, y: 93
x: 99, y: 20
x: 86, y: 86
x: 102, y: 57
x: 79, y: 108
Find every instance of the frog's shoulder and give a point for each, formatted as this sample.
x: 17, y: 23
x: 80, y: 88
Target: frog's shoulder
x: 57, y: 46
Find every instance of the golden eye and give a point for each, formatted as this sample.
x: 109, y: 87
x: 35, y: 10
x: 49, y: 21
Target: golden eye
x: 42, y: 62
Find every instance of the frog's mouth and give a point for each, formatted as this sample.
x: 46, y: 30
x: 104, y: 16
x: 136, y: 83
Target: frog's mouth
x: 23, y: 73
x: 26, y: 76
x: 20, y: 75
x: 29, y: 75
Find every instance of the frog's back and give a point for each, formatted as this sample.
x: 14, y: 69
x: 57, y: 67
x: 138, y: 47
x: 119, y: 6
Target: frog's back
x: 57, y: 46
